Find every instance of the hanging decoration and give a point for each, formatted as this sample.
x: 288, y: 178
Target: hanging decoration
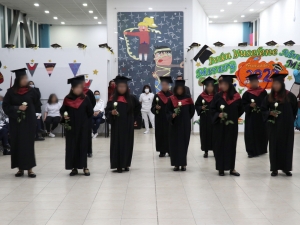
x: 31, y: 67
x: 74, y: 67
x: 49, y: 67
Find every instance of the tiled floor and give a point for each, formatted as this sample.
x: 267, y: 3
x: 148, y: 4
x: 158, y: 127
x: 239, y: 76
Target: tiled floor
x: 151, y: 193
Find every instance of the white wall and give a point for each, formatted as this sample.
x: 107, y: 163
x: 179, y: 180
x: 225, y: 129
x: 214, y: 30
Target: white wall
x: 280, y: 22
x: 228, y: 33
x: 70, y: 36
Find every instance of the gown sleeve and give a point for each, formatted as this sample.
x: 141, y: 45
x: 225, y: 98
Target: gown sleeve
x: 89, y: 108
x: 37, y: 101
x: 153, y: 107
x: 192, y: 110
x: 214, y: 110
x: 240, y: 108
x: 137, y: 107
x: 9, y: 109
x: 170, y: 111
x: 294, y: 104
x: 246, y: 103
x: 198, y: 105
x: 62, y: 110
x: 92, y: 99
x: 265, y: 109
x: 108, y: 110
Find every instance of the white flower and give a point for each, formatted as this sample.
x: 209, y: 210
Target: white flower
x: 222, y: 106
x: 252, y: 100
x: 115, y: 104
x: 66, y: 113
x: 157, y: 99
x: 276, y: 104
x: 24, y: 103
x: 203, y: 101
x: 179, y: 104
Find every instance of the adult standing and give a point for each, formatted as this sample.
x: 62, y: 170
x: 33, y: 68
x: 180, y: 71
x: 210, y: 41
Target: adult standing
x: 279, y: 111
x: 255, y: 134
x: 226, y: 108
x: 111, y: 88
x: 146, y: 99
x: 98, y: 113
x: 20, y: 104
x: 159, y: 105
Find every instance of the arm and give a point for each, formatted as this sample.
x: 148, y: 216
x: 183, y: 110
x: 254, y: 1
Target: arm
x: 198, y: 105
x: 89, y: 108
x: 187, y: 91
x: 135, y: 34
x: 240, y: 108
x: 246, y: 103
x: 215, y: 110
x: 46, y: 111
x: 137, y: 107
x: 108, y: 110
x: 9, y: 109
x: 102, y: 107
x: 170, y: 112
x: 62, y: 110
x: 265, y: 109
x: 154, y: 103
x: 294, y: 104
x: 192, y: 110
x: 92, y: 99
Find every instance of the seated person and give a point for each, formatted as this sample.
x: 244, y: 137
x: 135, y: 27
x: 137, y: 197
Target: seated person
x: 52, y: 114
x: 4, y: 129
x: 98, y: 113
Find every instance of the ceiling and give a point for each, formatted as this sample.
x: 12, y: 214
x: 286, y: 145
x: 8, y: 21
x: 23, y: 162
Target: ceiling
x: 72, y: 12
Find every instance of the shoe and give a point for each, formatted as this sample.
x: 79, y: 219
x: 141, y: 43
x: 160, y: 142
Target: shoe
x: 183, y: 168
x: 162, y: 154
x: 6, y: 152
x: 126, y: 169
x: 7, y: 146
x: 42, y: 131
x: 205, y: 155
x: 74, y: 172
x: 20, y: 173
x: 119, y: 170
x: 31, y: 174
x: 95, y: 135
x: 176, y: 168
x: 221, y: 173
x: 146, y: 132
x: 234, y: 173
x: 90, y: 155
x: 274, y: 173
x: 288, y: 173
x: 51, y: 135
x: 39, y: 139
x: 86, y: 172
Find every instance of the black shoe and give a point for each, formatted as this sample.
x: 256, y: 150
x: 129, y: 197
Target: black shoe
x: 221, y: 173
x: 176, y: 168
x: 74, y: 172
x: 183, y: 168
x: 6, y: 152
x: 234, y: 173
x: 31, y: 174
x: 126, y: 169
x: 250, y: 156
x: 7, y: 146
x: 119, y: 170
x: 274, y: 173
x: 39, y: 139
x: 20, y: 173
x: 205, y: 155
x: 162, y: 154
x: 90, y: 155
x: 288, y: 173
x: 86, y: 172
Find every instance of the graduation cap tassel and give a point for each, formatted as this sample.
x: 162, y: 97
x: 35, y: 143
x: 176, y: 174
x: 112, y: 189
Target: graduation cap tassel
x: 213, y: 51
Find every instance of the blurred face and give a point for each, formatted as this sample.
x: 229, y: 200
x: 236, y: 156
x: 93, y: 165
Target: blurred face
x: 78, y: 90
x: 122, y: 88
x: 180, y: 90
x: 276, y: 86
x: 165, y: 86
x: 97, y: 95
x: 220, y: 79
x: 210, y: 88
x: 24, y: 81
x: 54, y: 99
x: 1, y: 98
x: 224, y: 86
x: 254, y: 84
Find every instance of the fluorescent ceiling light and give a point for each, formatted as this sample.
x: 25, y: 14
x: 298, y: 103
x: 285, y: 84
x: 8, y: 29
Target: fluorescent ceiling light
x: 90, y: 11
x: 99, y: 22
x: 150, y: 8
x: 222, y: 10
x: 229, y: 3
x: 95, y: 17
x: 262, y: 2
x: 215, y: 17
x: 84, y: 4
x: 210, y: 21
x: 242, y: 15
x: 62, y: 22
x: 55, y: 17
x: 46, y: 11
x: 251, y: 10
x: 36, y: 4
x: 235, y: 21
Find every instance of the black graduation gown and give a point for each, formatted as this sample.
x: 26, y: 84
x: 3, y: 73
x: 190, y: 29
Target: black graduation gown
x: 281, y: 134
x: 122, y: 132
x: 161, y: 122
x: 225, y: 137
x: 22, y: 134
x: 205, y: 126
x: 78, y: 138
x: 255, y: 134
x: 92, y: 99
x: 180, y: 129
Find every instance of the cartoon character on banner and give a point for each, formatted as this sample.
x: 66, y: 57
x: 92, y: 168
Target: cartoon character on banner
x: 163, y: 63
x: 144, y: 27
x: 296, y: 91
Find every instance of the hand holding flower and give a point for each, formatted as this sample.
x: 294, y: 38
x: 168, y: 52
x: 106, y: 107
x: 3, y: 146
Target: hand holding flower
x: 274, y: 113
x: 115, y: 112
x: 67, y: 120
x: 21, y: 112
x: 157, y: 106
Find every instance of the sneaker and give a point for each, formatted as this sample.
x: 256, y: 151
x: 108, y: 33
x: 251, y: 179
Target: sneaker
x: 95, y: 135
x: 146, y: 132
x: 51, y: 135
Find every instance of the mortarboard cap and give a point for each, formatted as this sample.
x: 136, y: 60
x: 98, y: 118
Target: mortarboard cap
x: 74, y: 81
x: 32, y: 46
x: 55, y: 46
x: 289, y: 43
x: 252, y: 77
x: 103, y: 45
x: 20, y: 72
x: 227, y: 78
x: 218, y: 44
x: 271, y: 43
x: 180, y: 83
x: 279, y: 76
x: 167, y: 79
x: 80, y: 45
x: 193, y: 45
x: 9, y: 46
x: 243, y: 44
x: 208, y: 80
x: 121, y: 79
x: 204, y: 54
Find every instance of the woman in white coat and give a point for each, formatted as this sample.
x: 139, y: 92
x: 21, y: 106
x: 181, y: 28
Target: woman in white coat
x: 146, y: 99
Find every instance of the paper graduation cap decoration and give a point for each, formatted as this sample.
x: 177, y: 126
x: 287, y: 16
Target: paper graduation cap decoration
x: 107, y: 47
x: 32, y: 46
x: 120, y: 79
x: 279, y: 76
x: 9, y: 46
x: 208, y: 80
x: 252, y: 77
x: 243, y: 44
x: 74, y: 81
x: 219, y: 44
x: 227, y: 78
x: 55, y: 46
x: 289, y: 43
x: 277, y: 67
x: 20, y: 72
x: 271, y: 43
x: 204, y: 54
x: 80, y: 45
x: 167, y: 79
x: 193, y: 46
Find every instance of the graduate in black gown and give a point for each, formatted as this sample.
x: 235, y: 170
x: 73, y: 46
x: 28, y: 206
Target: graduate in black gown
x: 226, y: 108
x: 92, y: 99
x: 255, y: 134
x: 121, y: 112
x: 158, y: 108
x: 202, y: 106
x: 279, y: 110
x: 20, y: 104
x: 77, y: 111
x: 180, y: 124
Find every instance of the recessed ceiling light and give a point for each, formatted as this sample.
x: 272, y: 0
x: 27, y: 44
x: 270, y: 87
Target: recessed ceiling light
x: 215, y: 17
x: 210, y: 21
x: 36, y: 4
x: 46, y: 11
x: 251, y: 10
x: 95, y: 17
x: 262, y: 2
x: 242, y: 15
x: 62, y: 22
x: 235, y: 21
x: 90, y: 11
x: 229, y: 3
x: 99, y: 22
x: 150, y: 8
x: 55, y: 17
x: 116, y: 32
x: 222, y: 10
x: 84, y: 4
